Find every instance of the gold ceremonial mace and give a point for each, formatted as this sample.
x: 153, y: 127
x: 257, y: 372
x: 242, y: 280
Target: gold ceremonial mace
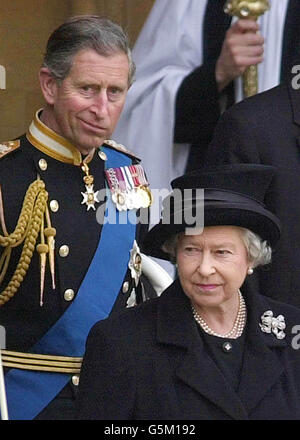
x: 248, y: 9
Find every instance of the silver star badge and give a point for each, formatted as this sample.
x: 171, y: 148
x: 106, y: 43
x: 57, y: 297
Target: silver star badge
x: 135, y: 263
x: 90, y: 197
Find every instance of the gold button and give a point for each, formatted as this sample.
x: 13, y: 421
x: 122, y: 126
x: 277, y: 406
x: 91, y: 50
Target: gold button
x: 125, y: 287
x: 54, y: 205
x: 64, y: 250
x: 69, y: 294
x: 43, y: 164
x: 75, y: 380
x: 102, y: 155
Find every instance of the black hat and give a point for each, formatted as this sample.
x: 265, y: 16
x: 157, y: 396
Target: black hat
x: 231, y: 194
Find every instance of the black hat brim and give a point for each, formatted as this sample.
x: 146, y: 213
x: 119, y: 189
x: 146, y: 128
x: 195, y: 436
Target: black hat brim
x: 258, y: 220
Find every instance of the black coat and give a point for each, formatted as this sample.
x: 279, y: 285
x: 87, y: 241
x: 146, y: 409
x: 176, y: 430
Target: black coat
x: 197, y: 106
x: 265, y: 129
x: 150, y: 363
x: 22, y: 316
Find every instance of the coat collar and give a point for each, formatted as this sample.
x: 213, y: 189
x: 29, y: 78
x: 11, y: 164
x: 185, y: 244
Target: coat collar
x: 294, y: 95
x: 176, y: 326
x: 295, y: 101
x: 261, y: 365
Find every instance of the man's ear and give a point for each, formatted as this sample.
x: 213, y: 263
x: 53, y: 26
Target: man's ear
x: 48, y: 85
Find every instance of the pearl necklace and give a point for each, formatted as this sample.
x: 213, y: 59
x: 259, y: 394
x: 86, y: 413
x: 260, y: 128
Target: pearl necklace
x: 238, y: 325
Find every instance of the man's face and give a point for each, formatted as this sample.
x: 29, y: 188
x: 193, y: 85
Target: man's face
x: 86, y: 105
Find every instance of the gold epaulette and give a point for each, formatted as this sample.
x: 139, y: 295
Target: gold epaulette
x: 8, y: 147
x: 119, y: 147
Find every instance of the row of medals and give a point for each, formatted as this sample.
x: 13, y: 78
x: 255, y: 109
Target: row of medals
x: 139, y: 197
x: 130, y: 196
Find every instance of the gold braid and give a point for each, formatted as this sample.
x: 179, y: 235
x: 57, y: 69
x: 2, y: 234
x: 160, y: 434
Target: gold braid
x: 28, y: 227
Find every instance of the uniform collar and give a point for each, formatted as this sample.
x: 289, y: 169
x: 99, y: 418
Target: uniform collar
x: 51, y: 143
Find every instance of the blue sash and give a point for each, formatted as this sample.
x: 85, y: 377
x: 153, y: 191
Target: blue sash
x: 29, y: 392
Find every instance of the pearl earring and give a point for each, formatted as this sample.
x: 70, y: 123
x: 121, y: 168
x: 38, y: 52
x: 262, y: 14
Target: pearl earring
x: 250, y: 271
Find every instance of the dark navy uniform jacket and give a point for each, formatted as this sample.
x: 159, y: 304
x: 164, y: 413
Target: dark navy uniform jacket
x: 77, y: 237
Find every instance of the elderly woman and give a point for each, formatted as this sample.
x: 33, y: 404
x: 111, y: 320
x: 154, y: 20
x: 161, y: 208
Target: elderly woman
x: 202, y: 350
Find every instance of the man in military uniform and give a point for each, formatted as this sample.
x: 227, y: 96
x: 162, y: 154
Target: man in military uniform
x: 62, y: 266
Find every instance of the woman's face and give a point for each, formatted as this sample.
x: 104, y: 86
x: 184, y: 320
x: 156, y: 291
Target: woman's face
x: 212, y: 266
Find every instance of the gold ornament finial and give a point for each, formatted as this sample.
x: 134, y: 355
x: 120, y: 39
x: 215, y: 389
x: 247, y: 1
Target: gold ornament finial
x: 250, y: 9
x: 247, y: 8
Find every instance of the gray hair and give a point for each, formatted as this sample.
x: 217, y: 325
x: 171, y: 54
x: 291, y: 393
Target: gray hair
x: 259, y: 252
x: 85, y: 32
